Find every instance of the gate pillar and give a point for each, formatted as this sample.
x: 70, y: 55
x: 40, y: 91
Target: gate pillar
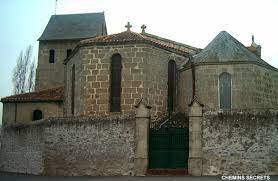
x: 195, y: 139
x: 141, y: 139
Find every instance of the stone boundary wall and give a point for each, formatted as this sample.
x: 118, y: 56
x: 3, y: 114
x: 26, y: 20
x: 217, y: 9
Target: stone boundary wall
x: 240, y: 142
x: 70, y: 146
x: 22, y: 150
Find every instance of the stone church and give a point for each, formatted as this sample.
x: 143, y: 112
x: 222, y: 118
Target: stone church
x: 220, y: 103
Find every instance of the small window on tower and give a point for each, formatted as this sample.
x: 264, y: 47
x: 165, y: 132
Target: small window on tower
x: 51, y: 56
x: 69, y: 52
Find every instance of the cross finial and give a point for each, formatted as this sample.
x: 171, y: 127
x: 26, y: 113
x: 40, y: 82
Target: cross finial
x: 128, y: 26
x: 253, y: 39
x: 143, y: 27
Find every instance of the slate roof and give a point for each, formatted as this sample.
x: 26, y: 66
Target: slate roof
x: 49, y: 95
x: 74, y: 26
x: 133, y: 37
x: 224, y: 48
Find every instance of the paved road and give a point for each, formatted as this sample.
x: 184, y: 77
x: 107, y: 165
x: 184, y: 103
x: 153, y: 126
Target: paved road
x: 154, y: 178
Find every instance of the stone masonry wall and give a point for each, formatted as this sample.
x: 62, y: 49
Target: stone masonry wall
x: 23, y: 112
x: 22, y: 150
x: 185, y: 91
x: 156, y: 78
x: 144, y: 75
x: 253, y: 86
x: 49, y: 75
x: 90, y: 147
x: 70, y: 146
x: 79, y: 106
x: 240, y: 143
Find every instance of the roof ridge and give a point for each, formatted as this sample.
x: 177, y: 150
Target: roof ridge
x: 134, y: 37
x: 77, y: 14
x: 166, y: 39
x: 224, y: 47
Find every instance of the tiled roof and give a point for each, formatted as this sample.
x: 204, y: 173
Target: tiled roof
x: 133, y: 37
x: 176, y: 45
x: 74, y: 26
x: 224, y: 48
x: 49, y: 95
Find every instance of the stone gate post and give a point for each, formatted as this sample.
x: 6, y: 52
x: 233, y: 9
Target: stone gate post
x: 142, y: 138
x: 195, y: 139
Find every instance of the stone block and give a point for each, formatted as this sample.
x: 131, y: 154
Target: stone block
x: 140, y: 166
x: 195, y: 166
x: 102, y: 77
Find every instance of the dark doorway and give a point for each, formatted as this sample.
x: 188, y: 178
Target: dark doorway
x: 37, y: 115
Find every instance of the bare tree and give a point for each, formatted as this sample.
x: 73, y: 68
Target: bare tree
x: 24, y: 72
x: 31, y: 76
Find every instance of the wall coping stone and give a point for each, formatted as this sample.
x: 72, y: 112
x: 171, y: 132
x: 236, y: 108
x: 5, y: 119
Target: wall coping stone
x: 70, y: 120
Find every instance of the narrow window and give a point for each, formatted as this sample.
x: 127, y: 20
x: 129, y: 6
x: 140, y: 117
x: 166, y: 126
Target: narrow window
x: 51, y: 56
x: 69, y: 52
x: 225, y: 90
x: 116, y: 74
x: 171, y: 85
x: 72, y: 88
x: 37, y: 115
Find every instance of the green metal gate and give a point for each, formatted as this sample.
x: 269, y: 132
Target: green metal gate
x: 168, y: 143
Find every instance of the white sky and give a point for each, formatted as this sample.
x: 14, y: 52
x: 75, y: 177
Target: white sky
x: 193, y: 22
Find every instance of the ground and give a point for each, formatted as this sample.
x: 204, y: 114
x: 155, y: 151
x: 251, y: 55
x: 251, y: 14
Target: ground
x: 33, y: 178
x: 5, y: 177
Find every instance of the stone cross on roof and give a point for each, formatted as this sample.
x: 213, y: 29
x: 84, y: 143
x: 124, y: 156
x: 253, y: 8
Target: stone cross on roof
x: 128, y: 26
x: 143, y: 27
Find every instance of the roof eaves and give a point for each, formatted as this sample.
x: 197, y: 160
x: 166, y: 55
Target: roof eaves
x: 265, y: 64
x: 33, y: 100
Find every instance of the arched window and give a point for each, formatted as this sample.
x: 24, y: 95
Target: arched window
x: 115, y: 80
x: 37, y: 115
x: 72, y: 88
x: 51, y: 56
x: 225, y: 90
x: 69, y: 52
x: 172, y: 77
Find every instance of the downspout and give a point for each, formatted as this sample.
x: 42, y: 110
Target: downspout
x: 193, y: 77
x: 15, y: 116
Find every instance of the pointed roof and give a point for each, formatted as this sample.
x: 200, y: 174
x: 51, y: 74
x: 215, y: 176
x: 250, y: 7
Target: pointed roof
x: 74, y: 26
x: 48, y: 95
x: 225, y: 48
x: 144, y: 103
